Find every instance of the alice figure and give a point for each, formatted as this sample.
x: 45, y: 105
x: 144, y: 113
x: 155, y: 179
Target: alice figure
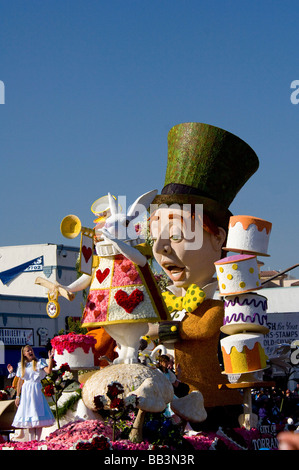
x: 33, y: 411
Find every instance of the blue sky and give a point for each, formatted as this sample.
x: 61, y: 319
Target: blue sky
x: 93, y: 87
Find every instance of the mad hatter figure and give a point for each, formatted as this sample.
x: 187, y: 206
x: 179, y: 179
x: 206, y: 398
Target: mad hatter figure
x: 206, y: 166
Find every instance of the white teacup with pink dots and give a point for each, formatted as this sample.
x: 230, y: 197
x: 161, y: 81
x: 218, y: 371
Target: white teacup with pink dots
x: 237, y: 274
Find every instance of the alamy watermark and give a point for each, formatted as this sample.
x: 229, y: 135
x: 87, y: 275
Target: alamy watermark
x: 295, y: 94
x: 2, y: 92
x: 165, y: 223
x: 175, y: 223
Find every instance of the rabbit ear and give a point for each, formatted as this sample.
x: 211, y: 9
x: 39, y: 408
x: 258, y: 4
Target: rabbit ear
x: 144, y: 200
x: 112, y: 204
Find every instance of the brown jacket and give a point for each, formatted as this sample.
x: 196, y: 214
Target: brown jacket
x: 196, y: 353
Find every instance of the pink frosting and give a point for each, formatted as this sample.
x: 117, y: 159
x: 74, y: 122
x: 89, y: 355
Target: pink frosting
x: 234, y: 259
x: 73, y: 341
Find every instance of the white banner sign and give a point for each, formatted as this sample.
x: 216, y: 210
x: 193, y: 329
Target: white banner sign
x: 284, y: 328
x: 16, y: 336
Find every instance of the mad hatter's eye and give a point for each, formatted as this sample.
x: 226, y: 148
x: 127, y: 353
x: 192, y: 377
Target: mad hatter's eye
x: 176, y: 234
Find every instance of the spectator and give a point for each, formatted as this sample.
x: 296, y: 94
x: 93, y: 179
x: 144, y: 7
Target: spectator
x: 275, y: 411
x: 263, y: 413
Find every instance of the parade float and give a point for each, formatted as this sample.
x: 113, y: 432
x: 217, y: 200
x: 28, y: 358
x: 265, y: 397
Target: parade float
x: 128, y: 404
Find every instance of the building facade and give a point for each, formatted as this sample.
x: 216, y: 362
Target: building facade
x: 23, y: 315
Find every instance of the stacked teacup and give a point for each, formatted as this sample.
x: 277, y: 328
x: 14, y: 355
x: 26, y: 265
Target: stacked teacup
x: 245, y: 318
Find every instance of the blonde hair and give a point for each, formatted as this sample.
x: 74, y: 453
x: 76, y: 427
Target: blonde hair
x: 24, y: 361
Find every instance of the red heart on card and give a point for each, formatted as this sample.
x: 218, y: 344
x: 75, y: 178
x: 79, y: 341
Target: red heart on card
x: 125, y: 268
x: 132, y: 276
x: 87, y: 252
x: 101, y: 276
x: 128, y: 302
x: 100, y: 297
x: 97, y: 313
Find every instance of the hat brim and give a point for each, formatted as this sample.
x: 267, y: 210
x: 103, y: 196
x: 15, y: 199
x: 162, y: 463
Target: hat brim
x: 219, y: 215
x: 247, y: 252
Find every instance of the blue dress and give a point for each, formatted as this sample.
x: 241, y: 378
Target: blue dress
x: 33, y: 410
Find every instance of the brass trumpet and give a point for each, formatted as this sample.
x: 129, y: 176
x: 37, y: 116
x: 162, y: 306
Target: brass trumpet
x: 70, y: 226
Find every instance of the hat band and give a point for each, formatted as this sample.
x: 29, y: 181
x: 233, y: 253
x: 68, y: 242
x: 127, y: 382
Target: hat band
x: 177, y: 188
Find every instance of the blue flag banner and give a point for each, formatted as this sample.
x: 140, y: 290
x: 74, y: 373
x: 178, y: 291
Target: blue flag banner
x: 32, y: 265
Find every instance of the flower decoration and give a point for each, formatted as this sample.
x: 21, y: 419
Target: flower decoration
x: 131, y: 401
x: 65, y: 367
x: 73, y: 341
x: 116, y: 403
x: 114, y: 389
x: 119, y: 408
x: 161, y: 431
x: 129, y: 302
x: 99, y: 402
x: 67, y: 375
x: 4, y: 395
x: 162, y: 280
x: 97, y: 435
x: 57, y: 382
x: 49, y: 390
x: 11, y: 391
x: 94, y: 443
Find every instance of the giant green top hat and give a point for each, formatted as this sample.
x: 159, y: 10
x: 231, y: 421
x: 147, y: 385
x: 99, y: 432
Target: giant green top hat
x: 206, y: 165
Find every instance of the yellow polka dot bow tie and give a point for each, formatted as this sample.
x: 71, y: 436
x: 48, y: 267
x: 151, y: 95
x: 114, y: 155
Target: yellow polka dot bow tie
x: 193, y: 298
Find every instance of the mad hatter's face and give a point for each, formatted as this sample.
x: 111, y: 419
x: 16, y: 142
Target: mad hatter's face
x: 185, y: 263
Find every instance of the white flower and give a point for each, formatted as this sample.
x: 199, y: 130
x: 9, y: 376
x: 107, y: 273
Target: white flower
x: 67, y: 375
x: 131, y: 400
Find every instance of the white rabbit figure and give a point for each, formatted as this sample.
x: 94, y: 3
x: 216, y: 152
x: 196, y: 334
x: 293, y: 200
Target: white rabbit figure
x: 121, y: 226
x: 123, y: 295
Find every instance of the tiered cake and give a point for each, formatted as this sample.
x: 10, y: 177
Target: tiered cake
x: 245, y: 318
x: 243, y: 353
x: 237, y: 274
x: 77, y: 350
x: 248, y: 234
x: 245, y: 312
